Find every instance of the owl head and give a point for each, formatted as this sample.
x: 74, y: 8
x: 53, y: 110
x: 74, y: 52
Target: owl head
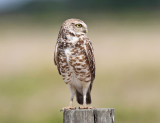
x: 75, y: 26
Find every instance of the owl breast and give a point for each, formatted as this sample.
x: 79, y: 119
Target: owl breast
x: 75, y: 67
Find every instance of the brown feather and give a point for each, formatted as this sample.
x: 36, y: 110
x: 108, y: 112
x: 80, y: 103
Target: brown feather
x: 90, y: 56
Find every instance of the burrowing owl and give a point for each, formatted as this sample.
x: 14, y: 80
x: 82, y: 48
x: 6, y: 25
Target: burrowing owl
x: 75, y: 60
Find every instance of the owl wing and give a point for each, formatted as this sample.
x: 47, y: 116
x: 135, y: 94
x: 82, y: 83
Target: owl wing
x: 90, y: 57
x: 56, y: 57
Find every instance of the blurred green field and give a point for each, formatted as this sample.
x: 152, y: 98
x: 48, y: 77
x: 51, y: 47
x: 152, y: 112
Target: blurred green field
x: 127, y: 53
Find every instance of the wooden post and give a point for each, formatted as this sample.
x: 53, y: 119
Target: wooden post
x: 100, y: 115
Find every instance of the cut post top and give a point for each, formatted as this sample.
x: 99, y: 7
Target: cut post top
x: 96, y: 115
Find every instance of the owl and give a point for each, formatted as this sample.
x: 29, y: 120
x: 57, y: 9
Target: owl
x: 75, y: 61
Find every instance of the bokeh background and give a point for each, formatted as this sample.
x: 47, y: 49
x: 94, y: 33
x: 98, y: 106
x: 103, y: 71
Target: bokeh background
x: 126, y: 39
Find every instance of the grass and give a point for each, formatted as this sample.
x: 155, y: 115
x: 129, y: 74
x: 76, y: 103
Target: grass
x: 37, y: 98
x: 127, y: 71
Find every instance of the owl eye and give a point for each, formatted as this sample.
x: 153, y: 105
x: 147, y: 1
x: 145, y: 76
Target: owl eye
x: 79, y: 25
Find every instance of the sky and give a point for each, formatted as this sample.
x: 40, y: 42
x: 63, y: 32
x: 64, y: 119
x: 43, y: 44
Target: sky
x: 8, y: 5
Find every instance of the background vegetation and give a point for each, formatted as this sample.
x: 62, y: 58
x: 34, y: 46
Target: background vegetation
x: 125, y: 36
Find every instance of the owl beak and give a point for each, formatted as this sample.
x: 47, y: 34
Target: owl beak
x: 85, y: 31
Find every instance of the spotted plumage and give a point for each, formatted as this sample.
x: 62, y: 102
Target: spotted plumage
x: 74, y: 59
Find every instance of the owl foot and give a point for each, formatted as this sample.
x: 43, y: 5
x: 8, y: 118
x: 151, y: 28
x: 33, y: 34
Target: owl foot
x: 85, y: 107
x: 68, y: 108
x: 82, y: 107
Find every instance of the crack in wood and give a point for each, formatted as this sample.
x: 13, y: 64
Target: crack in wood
x: 95, y: 116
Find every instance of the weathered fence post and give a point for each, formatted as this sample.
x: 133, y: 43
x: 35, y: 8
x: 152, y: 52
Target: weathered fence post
x: 100, y: 115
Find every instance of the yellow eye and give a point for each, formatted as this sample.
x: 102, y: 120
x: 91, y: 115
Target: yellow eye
x: 79, y: 25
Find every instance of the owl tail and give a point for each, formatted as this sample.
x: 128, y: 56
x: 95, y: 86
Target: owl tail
x: 80, y: 98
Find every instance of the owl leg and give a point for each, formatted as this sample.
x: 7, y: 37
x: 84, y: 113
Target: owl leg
x: 84, y: 97
x: 85, y: 89
x: 73, y: 91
